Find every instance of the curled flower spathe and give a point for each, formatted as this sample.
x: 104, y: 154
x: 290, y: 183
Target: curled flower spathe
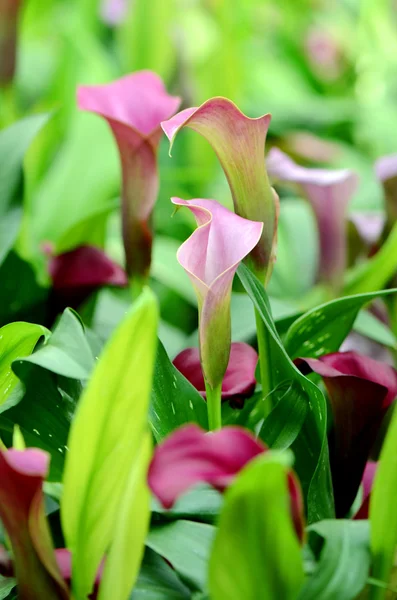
x: 134, y: 107
x: 329, y: 192
x: 210, y: 257
x: 239, y: 143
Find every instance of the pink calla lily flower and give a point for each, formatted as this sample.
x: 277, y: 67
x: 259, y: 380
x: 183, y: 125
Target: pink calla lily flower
x: 190, y: 456
x: 134, y: 107
x: 9, y: 13
x: 329, y: 192
x: 22, y: 512
x: 210, y: 257
x: 360, y: 390
x: 239, y: 381
x: 386, y: 172
x: 113, y: 12
x: 239, y: 143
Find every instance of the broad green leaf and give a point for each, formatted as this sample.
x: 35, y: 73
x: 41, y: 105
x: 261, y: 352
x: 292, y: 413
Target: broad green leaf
x: 201, y: 504
x: 382, y: 512
x: 43, y: 406
x: 158, y: 581
x: 16, y: 340
x: 14, y: 142
x: 105, y: 438
x: 343, y: 563
x: 127, y: 547
x: 186, y: 545
x: 256, y: 551
x: 310, y: 446
x: 6, y: 586
x: 67, y: 351
x: 322, y: 329
x: 174, y: 400
x: 374, y: 274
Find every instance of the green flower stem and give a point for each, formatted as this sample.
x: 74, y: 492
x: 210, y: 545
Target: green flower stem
x: 214, y: 399
x: 264, y: 362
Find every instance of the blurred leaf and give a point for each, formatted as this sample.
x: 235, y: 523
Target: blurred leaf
x: 186, y: 545
x: 67, y: 351
x: 322, y: 329
x: 201, y: 504
x: 16, y: 340
x: 310, y: 446
x: 166, y: 269
x: 367, y: 324
x: 6, y: 586
x: 297, y: 245
x: 145, y: 37
x: 123, y: 557
x: 14, y: 142
x: 105, y: 439
x: 174, y: 400
x: 256, y: 549
x: 382, y: 513
x: 343, y: 563
x: 158, y: 581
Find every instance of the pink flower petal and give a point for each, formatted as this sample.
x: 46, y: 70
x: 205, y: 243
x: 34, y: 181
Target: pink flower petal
x: 360, y: 390
x: 64, y: 561
x: 239, y: 380
x: 329, y: 192
x: 239, y: 143
x: 386, y: 171
x: 22, y: 513
x: 113, y: 12
x: 367, y: 481
x: 190, y: 456
x: 368, y: 225
x: 210, y: 257
x: 134, y: 106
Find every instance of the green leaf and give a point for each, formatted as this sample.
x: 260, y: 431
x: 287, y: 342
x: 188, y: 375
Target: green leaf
x: 16, y: 340
x: 105, y: 438
x: 382, y: 512
x: 6, y: 586
x: 256, y: 550
x: 374, y: 274
x: 14, y: 142
x: 165, y: 268
x: 174, y: 400
x: 322, y: 329
x: 158, y: 581
x: 186, y: 545
x: 67, y: 352
x: 310, y: 446
x: 124, y: 557
x: 368, y: 325
x: 343, y: 563
x: 199, y: 504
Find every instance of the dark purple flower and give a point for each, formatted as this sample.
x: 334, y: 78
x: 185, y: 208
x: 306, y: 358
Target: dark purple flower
x: 81, y: 271
x: 239, y: 381
x: 190, y: 456
x: 360, y: 390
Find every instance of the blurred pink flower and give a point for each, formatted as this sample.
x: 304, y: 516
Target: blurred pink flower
x: 239, y: 380
x: 329, y: 192
x: 134, y: 107
x: 210, y: 257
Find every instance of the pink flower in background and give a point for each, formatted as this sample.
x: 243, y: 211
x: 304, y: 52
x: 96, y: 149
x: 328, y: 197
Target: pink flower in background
x: 113, y: 12
x: 386, y: 172
x: 329, y: 193
x: 9, y: 13
x: 239, y: 143
x: 22, y: 474
x: 360, y: 390
x: 190, y: 456
x: 210, y: 257
x: 134, y: 107
x: 239, y: 380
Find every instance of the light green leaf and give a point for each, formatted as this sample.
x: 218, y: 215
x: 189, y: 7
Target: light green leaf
x: 382, y: 512
x: 310, y: 445
x: 256, y: 552
x: 344, y: 561
x: 14, y: 142
x: 16, y: 340
x: 158, y: 581
x: 105, y: 438
x: 67, y: 352
x: 186, y: 545
x: 126, y: 550
x: 368, y: 325
x: 322, y: 329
